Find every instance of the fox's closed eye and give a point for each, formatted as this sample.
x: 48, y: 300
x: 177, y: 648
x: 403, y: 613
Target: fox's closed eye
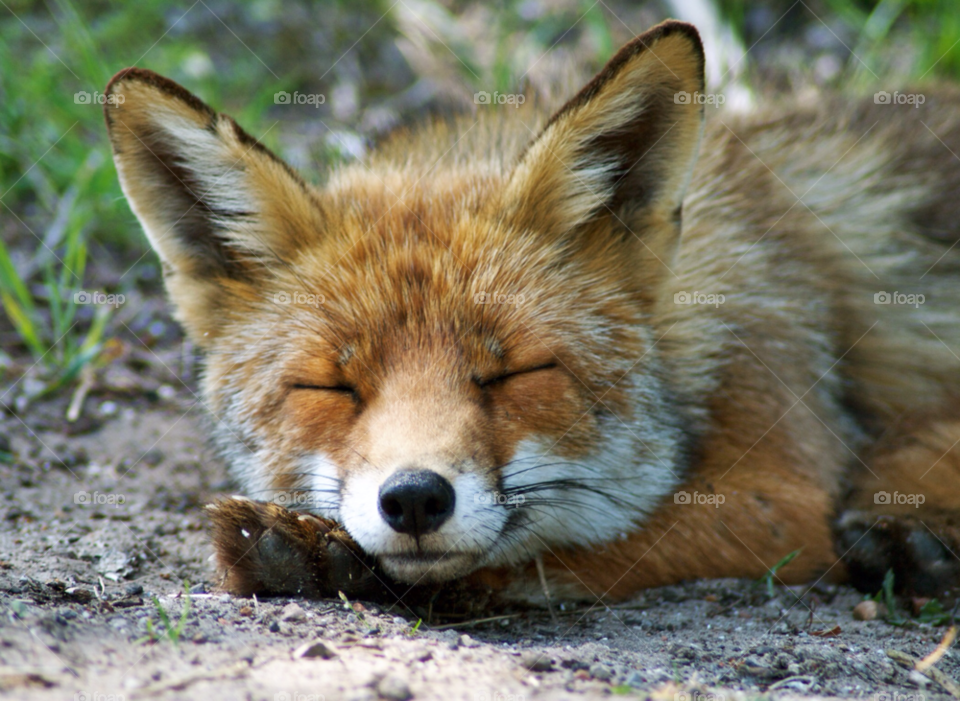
x: 343, y: 389
x: 498, y: 379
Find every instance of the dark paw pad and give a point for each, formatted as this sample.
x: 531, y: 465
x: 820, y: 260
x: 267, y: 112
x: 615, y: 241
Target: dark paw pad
x: 919, y: 551
x: 265, y: 548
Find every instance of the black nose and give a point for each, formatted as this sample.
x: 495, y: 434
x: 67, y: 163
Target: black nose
x: 416, y: 501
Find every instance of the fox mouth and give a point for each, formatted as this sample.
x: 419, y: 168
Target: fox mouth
x: 428, y: 568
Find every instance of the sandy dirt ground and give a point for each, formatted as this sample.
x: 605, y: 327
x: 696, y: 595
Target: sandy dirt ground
x: 102, y: 527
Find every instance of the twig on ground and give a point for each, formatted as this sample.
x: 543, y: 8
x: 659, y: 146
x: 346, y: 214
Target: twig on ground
x: 476, y: 621
x: 546, y: 589
x: 925, y: 666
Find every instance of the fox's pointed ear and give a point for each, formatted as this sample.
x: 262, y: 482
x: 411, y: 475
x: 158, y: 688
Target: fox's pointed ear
x: 623, y: 148
x: 218, y: 207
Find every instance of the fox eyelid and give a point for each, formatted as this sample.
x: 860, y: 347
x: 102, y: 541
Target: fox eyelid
x: 507, y: 375
x: 343, y: 389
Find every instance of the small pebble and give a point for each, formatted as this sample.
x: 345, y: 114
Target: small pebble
x: 293, y: 613
x: 918, y: 679
x: 601, y: 672
x: 394, y: 689
x: 536, y: 662
x: 153, y: 457
x: 316, y: 649
x: 636, y: 680
x: 868, y: 610
x: 166, y: 392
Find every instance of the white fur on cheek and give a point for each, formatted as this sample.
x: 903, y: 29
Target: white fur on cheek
x: 360, y: 513
x: 324, y: 485
x: 621, y: 484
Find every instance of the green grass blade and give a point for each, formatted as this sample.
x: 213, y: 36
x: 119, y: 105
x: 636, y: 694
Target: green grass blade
x: 23, y: 323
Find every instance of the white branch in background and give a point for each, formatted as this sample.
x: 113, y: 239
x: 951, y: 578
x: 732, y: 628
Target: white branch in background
x: 725, y: 54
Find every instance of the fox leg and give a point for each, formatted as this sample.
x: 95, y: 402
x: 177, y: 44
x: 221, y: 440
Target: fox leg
x: 903, y: 513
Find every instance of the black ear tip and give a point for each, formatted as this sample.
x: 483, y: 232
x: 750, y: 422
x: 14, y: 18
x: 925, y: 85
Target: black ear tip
x: 155, y: 80
x: 131, y: 73
x: 673, y: 27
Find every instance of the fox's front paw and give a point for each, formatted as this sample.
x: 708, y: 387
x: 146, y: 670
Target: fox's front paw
x: 919, y: 551
x: 263, y: 548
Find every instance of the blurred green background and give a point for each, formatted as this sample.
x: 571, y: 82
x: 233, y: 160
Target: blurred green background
x: 64, y: 225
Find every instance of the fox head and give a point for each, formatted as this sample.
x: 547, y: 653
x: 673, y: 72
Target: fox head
x: 448, y: 346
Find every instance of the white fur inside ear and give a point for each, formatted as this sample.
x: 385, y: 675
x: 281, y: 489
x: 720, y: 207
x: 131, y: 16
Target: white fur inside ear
x: 213, y: 158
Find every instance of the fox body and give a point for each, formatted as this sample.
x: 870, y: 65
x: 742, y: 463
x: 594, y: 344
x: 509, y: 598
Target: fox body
x: 608, y: 339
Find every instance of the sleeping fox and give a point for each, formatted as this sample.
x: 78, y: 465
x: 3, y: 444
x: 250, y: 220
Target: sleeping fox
x: 573, y: 354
